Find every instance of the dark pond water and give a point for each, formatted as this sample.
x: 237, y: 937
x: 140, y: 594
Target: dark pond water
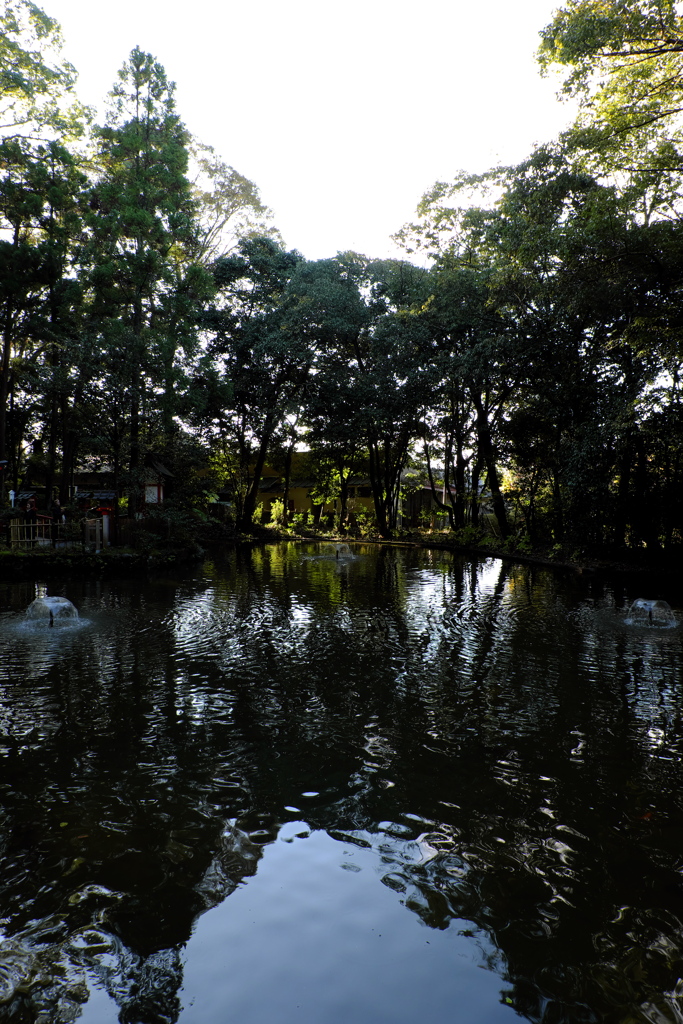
x: 291, y: 787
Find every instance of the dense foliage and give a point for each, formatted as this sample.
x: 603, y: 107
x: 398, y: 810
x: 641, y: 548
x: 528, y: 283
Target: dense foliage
x: 530, y: 364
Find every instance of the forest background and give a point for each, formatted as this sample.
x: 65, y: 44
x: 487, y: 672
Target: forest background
x: 527, y: 348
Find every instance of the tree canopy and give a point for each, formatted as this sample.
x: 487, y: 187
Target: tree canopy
x: 528, y: 372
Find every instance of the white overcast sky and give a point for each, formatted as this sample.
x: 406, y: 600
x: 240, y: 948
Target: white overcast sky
x: 343, y: 114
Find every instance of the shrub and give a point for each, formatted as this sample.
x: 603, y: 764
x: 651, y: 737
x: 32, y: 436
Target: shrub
x: 470, y: 536
x: 366, y: 522
x: 298, y: 521
x: 277, y: 513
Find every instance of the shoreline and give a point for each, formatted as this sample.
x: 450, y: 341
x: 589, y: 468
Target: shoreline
x: 115, y: 561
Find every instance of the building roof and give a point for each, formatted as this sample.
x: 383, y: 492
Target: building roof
x: 152, y: 462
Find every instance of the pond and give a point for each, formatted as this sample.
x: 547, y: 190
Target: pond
x: 303, y: 784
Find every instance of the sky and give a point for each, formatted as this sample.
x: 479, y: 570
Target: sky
x: 343, y: 114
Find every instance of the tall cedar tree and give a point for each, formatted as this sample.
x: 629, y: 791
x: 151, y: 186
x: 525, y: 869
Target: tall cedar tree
x: 142, y: 237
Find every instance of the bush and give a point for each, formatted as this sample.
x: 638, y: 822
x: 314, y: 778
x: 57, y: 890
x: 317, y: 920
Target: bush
x: 365, y: 522
x: 470, y: 536
x: 298, y: 521
x: 277, y: 513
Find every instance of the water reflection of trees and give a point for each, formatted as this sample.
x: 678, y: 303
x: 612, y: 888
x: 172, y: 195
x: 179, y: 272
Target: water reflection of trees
x: 515, y: 763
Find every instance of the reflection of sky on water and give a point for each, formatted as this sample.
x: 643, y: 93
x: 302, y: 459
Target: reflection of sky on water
x: 380, y: 959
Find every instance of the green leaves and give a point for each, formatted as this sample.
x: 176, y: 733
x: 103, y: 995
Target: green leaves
x: 625, y: 64
x: 229, y: 206
x: 36, y: 85
x: 603, y: 35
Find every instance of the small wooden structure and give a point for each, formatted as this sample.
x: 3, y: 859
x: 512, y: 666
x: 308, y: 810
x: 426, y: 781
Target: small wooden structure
x: 24, y: 534
x: 91, y: 535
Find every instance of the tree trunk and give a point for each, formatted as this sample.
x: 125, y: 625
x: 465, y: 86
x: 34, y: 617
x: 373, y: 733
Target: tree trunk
x: 378, y: 495
x: 288, y: 472
x: 246, y: 520
x: 459, y: 504
x: 622, y: 509
x: 343, y: 499
x: 135, y: 404
x: 439, y: 502
x: 558, y: 510
x: 4, y: 382
x: 487, y: 453
x: 474, y: 496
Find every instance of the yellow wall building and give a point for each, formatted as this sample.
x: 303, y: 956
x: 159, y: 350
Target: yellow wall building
x: 302, y: 485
